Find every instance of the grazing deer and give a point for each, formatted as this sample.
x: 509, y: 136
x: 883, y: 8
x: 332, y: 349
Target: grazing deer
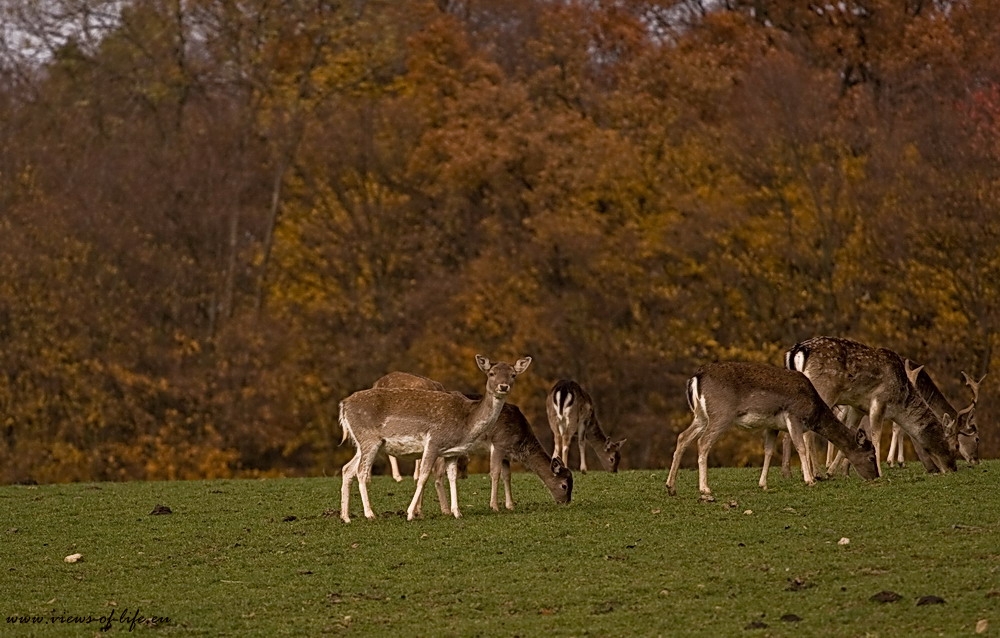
x: 571, y: 412
x: 510, y: 439
x: 432, y: 424
x: 873, y: 381
x: 405, y: 380
x: 965, y: 419
x: 762, y: 396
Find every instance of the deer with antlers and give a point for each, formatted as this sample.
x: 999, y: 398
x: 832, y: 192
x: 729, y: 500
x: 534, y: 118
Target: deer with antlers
x: 431, y: 424
x: 873, y: 381
x: 965, y: 419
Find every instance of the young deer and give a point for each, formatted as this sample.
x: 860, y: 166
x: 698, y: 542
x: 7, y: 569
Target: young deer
x: 510, y: 439
x: 428, y: 423
x: 405, y: 380
x: 965, y: 419
x: 762, y: 396
x: 571, y: 412
x: 873, y: 381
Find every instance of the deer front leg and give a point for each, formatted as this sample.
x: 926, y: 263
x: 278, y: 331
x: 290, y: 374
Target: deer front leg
x: 582, y: 442
x: 394, y: 466
x: 452, y: 465
x: 796, y: 433
x: 852, y: 419
x: 426, y: 466
x: 875, y: 419
x: 496, y: 463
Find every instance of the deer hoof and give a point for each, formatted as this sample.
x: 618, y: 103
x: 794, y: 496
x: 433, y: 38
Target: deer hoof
x: 671, y: 490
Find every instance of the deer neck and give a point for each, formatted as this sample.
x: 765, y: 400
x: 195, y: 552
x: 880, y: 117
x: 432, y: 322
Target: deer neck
x: 598, y: 439
x: 484, y: 415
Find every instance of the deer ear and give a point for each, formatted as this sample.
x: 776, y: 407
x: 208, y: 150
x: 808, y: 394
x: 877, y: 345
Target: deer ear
x: 610, y: 446
x: 862, y: 437
x: 483, y: 363
x: 557, y: 465
x: 522, y: 365
x: 911, y: 372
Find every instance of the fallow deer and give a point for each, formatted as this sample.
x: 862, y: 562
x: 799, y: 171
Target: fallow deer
x: 965, y: 419
x: 571, y: 413
x: 428, y: 423
x: 405, y: 380
x: 873, y: 381
x: 511, y: 439
x: 762, y: 396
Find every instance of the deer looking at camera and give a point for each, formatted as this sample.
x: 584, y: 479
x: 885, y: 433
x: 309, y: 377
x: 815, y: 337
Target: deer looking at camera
x: 412, y: 381
x: 762, y: 396
x: 873, y: 381
x: 510, y: 439
x: 571, y: 413
x: 427, y: 423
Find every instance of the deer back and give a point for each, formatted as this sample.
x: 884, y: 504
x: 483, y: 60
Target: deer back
x: 398, y: 379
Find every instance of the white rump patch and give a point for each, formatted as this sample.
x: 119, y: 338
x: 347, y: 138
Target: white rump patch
x: 799, y: 361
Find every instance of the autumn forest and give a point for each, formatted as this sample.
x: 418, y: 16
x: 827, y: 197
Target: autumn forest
x: 218, y: 218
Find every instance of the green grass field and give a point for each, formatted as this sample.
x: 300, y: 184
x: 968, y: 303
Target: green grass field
x: 271, y: 557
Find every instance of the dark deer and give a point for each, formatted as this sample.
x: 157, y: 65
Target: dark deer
x: 571, y: 413
x: 762, y: 396
x: 873, y: 381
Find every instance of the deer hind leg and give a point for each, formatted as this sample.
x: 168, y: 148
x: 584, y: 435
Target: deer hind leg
x: 581, y: 440
x: 565, y: 438
x: 394, y: 467
x: 786, y: 456
x: 705, y: 443
x: 770, y: 437
x: 508, y: 492
x: 348, y: 473
x: 683, y: 441
x: 364, y: 472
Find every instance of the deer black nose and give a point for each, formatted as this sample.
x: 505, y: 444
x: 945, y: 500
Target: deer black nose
x: 503, y: 388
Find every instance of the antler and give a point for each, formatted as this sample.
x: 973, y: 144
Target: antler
x: 973, y: 385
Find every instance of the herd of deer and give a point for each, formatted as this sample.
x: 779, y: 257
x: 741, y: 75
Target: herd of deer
x: 412, y: 416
